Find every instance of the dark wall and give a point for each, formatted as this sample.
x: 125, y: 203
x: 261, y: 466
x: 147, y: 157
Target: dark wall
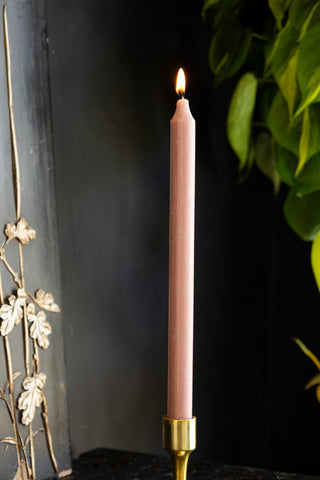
x: 113, y: 66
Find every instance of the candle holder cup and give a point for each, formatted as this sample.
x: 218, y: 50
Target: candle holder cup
x: 179, y: 439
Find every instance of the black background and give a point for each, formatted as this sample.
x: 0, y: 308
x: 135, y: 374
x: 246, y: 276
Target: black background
x: 112, y: 69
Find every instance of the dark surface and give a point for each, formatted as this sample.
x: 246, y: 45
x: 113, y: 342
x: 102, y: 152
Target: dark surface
x: 103, y: 464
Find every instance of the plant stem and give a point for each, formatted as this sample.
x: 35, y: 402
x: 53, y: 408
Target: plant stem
x: 45, y: 415
x: 25, y: 456
x: 36, y: 357
x: 10, y: 378
x: 257, y: 35
x: 25, y: 320
x: 4, y: 398
x: 22, y: 446
x: 15, y: 276
x: 27, y: 357
x: 15, y: 157
x: 48, y: 434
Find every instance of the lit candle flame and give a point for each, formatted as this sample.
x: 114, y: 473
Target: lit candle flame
x: 181, y: 83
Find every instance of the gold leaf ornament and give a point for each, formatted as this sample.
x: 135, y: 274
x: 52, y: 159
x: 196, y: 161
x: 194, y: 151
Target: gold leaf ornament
x: 10, y: 440
x: 40, y: 328
x: 11, y: 313
x: 46, y: 301
x: 21, y: 231
x: 32, y: 397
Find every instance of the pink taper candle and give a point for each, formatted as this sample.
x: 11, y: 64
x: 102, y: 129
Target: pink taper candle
x: 181, y: 259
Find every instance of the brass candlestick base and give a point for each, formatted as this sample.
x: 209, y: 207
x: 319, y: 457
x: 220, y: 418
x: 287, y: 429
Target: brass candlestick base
x: 179, y: 439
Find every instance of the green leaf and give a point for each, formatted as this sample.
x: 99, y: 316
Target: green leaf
x: 304, y: 141
x: 314, y: 381
x: 265, y: 158
x: 308, y: 68
x: 309, y: 20
x: 292, y: 135
x: 288, y: 82
x: 267, y: 92
x: 301, y: 13
x: 278, y: 8
x: 312, y: 92
x: 309, y: 143
x: 272, y: 46
x: 315, y: 259
x: 303, y: 213
x: 307, y: 352
x: 308, y: 180
x: 286, y: 133
x: 240, y: 117
x: 315, y: 17
x: 229, y: 48
x: 218, y: 5
x: 284, y: 64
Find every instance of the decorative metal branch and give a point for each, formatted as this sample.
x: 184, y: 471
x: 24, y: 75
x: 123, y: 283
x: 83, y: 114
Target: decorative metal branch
x: 20, y: 308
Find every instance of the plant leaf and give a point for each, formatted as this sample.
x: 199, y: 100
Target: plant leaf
x: 312, y: 92
x: 288, y: 82
x: 218, y: 5
x: 303, y: 213
x: 265, y: 158
x: 40, y: 328
x: 12, y: 312
x: 308, y: 68
x: 267, y: 92
x: 315, y: 259
x: 272, y: 45
x: 46, y: 301
x: 301, y: 13
x: 278, y: 8
x: 284, y: 64
x: 10, y: 440
x: 286, y: 133
x: 314, y: 381
x: 304, y: 141
x: 308, y: 180
x: 309, y: 143
x: 309, y: 20
x: 240, y: 117
x: 32, y: 397
x: 307, y: 352
x: 21, y: 231
x: 229, y: 48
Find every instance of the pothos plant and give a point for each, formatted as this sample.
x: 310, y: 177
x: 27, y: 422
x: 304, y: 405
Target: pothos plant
x: 274, y: 114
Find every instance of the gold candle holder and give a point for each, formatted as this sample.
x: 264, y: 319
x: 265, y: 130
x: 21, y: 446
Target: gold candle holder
x: 179, y: 439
